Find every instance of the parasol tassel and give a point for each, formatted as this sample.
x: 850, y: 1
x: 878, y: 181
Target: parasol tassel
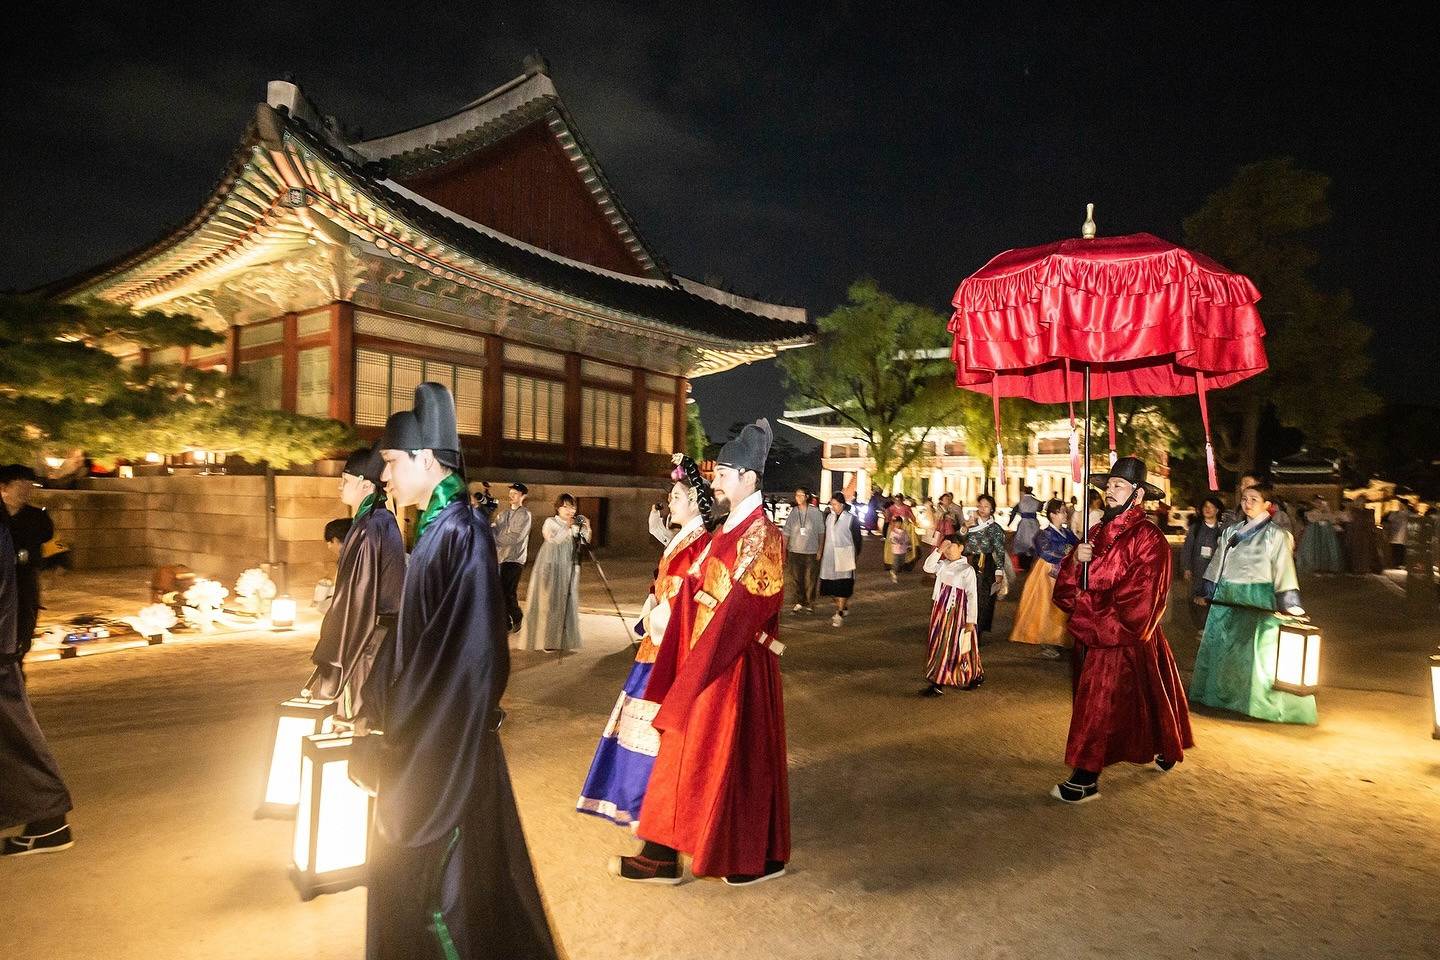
x: 1205, y: 421
x: 999, y: 448
x: 1000, y: 464
x: 1111, y: 415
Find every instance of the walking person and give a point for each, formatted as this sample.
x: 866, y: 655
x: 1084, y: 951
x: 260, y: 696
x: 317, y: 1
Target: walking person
x: 719, y: 790
x: 985, y: 549
x: 953, y: 650
x: 31, y: 791
x: 553, y: 620
x: 1201, y: 540
x: 1129, y: 704
x: 1250, y: 580
x: 449, y: 874
x: 30, y: 529
x: 1319, y: 550
x: 1037, y: 619
x: 839, y: 554
x: 1397, y: 530
x: 512, y: 547
x: 900, y: 538
x: 1027, y: 512
x: 369, y: 582
x: 804, y: 529
x: 620, y: 771
x: 1362, y: 547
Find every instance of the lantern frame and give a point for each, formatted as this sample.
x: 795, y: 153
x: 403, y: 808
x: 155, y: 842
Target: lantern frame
x: 287, y: 603
x: 325, y: 757
x: 1435, y: 694
x: 286, y: 744
x: 1309, y: 657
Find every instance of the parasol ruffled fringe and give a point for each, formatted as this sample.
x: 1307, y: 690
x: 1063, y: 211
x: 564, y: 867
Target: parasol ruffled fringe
x: 1072, y: 263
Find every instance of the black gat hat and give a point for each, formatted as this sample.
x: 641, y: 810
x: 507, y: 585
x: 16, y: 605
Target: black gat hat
x: 1131, y: 469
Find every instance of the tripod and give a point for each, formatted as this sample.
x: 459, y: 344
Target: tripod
x: 584, y: 551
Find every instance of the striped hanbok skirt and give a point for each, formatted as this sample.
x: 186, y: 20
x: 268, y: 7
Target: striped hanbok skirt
x: 954, y: 657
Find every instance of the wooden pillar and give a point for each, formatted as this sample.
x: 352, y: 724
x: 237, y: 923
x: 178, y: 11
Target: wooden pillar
x: 342, y: 362
x: 572, y: 411
x: 682, y: 412
x: 492, y: 412
x: 639, y: 419
x: 289, y: 365
x: 232, y: 361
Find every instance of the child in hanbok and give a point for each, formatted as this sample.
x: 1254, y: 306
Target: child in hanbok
x: 1038, y: 620
x: 954, y: 651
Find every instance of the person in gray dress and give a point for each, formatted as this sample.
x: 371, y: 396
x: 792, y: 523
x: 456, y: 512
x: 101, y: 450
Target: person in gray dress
x: 552, y: 621
x: 838, y: 556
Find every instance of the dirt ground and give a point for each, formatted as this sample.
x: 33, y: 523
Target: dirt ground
x: 922, y: 828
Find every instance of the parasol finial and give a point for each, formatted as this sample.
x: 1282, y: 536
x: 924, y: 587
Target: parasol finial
x: 1087, y: 229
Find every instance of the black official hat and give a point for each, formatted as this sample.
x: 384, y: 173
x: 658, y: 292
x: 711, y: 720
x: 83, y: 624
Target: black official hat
x: 749, y: 450
x: 1131, y: 469
x: 430, y: 425
x: 366, y: 464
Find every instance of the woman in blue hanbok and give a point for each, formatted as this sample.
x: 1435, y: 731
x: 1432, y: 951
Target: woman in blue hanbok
x: 1249, y: 583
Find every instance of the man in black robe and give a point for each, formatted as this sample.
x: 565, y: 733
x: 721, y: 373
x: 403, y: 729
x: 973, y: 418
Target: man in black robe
x: 368, y: 584
x: 31, y: 791
x: 450, y: 875
x: 30, y: 529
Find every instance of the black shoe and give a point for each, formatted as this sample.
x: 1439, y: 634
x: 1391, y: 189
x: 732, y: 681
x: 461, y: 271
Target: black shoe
x: 975, y: 683
x: 1069, y: 792
x: 26, y: 844
x: 934, y: 690
x: 773, y: 869
x: 1162, y: 764
x: 515, y: 627
x: 638, y: 869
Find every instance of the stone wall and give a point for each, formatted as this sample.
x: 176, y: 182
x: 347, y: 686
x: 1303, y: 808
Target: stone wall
x: 215, y: 525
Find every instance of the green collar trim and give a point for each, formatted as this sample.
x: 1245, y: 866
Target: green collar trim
x: 445, y: 491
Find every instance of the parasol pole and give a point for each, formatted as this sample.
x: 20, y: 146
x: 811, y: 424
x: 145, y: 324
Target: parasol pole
x: 1087, y: 232
x: 1084, y: 501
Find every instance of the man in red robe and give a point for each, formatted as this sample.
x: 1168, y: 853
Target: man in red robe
x: 1129, y: 702
x: 719, y: 790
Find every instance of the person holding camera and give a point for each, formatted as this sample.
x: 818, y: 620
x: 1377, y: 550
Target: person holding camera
x: 552, y: 621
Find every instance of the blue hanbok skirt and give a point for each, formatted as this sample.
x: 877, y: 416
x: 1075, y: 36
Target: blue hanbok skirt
x: 620, y: 772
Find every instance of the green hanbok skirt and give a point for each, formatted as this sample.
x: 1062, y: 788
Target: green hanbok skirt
x: 1235, y: 665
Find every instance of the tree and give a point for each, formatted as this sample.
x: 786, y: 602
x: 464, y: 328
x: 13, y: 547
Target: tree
x: 880, y: 366
x: 696, y: 440
x: 61, y: 389
x: 1318, y: 363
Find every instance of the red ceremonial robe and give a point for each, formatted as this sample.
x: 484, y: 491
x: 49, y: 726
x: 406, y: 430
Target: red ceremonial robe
x: 1129, y: 701
x: 719, y: 790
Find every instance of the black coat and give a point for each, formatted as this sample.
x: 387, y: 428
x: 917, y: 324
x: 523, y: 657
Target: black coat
x: 448, y: 836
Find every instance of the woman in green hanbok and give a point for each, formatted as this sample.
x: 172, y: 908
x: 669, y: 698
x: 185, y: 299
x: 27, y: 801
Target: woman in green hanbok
x: 1249, y: 583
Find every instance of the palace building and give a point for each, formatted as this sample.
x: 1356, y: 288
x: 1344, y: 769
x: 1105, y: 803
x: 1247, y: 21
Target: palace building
x: 485, y: 250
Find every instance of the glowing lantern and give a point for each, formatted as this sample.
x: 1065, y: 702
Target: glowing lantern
x: 282, y: 613
x: 332, y: 827
x: 294, y: 721
x: 1435, y: 694
x: 1297, y: 658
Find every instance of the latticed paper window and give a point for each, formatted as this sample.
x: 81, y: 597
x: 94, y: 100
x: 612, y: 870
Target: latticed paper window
x: 265, y: 378
x: 533, y: 409
x: 604, y: 419
x: 535, y: 357
x: 660, y: 426
x: 261, y: 334
x: 312, y: 390
x: 372, y: 388
x: 385, y: 383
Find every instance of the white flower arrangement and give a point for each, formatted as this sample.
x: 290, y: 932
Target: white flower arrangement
x: 203, y: 601
x: 154, y: 620
x: 255, y: 589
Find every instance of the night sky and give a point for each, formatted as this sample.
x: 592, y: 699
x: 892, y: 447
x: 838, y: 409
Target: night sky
x: 782, y: 155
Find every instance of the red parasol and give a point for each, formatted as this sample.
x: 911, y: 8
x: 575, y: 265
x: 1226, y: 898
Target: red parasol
x: 1145, y: 317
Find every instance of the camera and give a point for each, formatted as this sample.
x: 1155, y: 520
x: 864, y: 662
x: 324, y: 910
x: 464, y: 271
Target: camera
x: 485, y: 503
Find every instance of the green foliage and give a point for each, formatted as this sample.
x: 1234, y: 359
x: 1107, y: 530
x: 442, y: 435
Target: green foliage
x: 696, y: 440
x: 61, y: 389
x: 1318, y: 362
x: 873, y: 368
